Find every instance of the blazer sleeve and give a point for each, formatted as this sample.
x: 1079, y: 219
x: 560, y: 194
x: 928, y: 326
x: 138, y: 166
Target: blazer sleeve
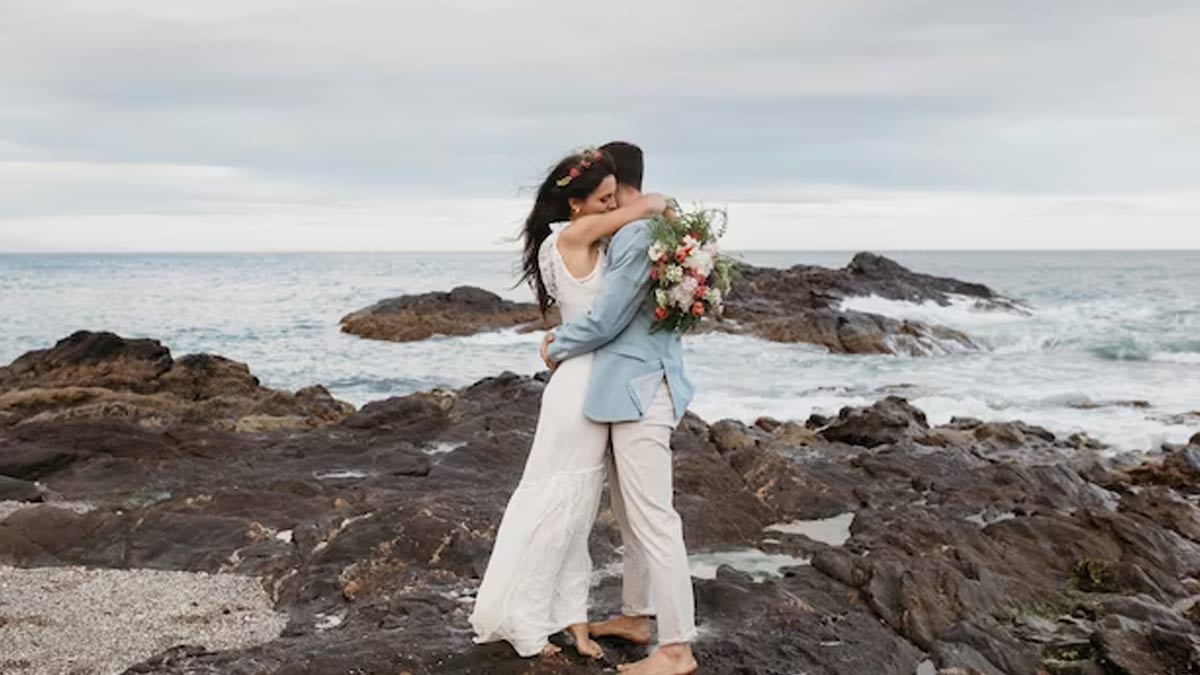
x: 623, y: 291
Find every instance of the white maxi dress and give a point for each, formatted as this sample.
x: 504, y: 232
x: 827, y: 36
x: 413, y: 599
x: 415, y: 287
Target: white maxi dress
x: 539, y: 574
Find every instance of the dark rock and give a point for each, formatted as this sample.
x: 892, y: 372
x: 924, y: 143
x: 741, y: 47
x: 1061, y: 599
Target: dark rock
x: 962, y: 551
x: 31, y: 461
x: 887, y: 421
x: 767, y: 424
x: 1179, y: 469
x: 466, y: 310
x: 86, y: 359
x: 816, y: 421
x: 15, y: 489
x: 102, y: 376
x: 730, y: 436
x: 803, y: 304
x: 1140, y: 636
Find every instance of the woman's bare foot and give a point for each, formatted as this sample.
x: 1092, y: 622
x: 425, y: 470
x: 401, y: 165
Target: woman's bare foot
x: 668, y: 660
x: 584, y: 644
x: 635, y: 629
x: 550, y: 650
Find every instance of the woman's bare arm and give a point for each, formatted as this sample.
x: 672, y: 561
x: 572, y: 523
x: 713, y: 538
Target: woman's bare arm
x: 587, y: 230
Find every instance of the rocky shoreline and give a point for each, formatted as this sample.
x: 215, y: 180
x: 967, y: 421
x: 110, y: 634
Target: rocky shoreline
x: 971, y: 547
x: 798, y: 304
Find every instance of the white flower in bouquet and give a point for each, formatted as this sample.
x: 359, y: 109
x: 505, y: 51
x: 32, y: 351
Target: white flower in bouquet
x: 661, y: 298
x: 656, y: 251
x: 713, y: 296
x: 674, y: 274
x: 700, y: 261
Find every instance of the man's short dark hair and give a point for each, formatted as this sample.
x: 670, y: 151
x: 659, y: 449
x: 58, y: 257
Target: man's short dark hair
x: 627, y: 158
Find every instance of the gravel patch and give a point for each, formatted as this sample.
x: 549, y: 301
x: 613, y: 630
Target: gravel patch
x: 85, y: 621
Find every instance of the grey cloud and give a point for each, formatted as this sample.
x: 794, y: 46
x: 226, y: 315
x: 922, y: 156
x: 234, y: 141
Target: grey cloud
x: 376, y: 99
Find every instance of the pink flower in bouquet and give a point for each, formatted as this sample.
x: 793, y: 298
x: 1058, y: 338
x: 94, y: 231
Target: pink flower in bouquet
x: 698, y: 309
x: 681, y: 296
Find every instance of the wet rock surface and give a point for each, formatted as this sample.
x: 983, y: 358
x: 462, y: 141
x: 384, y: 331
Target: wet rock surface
x: 466, y: 310
x: 972, y: 547
x: 803, y: 304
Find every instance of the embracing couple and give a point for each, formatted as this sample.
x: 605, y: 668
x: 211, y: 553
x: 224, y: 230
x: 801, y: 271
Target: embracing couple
x: 615, y: 383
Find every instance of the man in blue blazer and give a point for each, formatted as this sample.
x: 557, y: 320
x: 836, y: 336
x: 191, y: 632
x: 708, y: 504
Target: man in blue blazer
x: 638, y: 385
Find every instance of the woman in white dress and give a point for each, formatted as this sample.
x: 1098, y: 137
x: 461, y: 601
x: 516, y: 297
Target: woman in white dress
x: 539, y: 574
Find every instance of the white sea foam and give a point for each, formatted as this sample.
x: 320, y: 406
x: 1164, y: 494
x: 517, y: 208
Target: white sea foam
x: 961, y: 312
x: 1186, y: 358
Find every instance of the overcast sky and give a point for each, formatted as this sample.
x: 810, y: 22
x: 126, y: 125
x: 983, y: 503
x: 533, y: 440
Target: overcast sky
x: 363, y: 125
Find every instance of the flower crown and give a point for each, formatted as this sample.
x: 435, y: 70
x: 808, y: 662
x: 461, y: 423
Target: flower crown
x: 586, y: 159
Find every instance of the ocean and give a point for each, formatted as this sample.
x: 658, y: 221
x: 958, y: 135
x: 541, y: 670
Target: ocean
x: 1107, y: 329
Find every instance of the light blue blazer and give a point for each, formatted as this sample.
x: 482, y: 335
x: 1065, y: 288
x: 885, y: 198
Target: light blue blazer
x: 630, y: 361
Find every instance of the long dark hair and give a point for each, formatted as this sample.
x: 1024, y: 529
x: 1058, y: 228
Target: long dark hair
x: 586, y: 170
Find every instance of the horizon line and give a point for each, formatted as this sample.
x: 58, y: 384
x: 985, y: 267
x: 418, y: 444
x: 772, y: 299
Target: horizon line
x: 515, y: 251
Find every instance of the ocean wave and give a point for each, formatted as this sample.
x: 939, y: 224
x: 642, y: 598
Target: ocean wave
x: 1125, y: 350
x: 962, y: 312
x: 1025, y: 343
x: 1188, y: 358
x: 1132, y: 349
x: 379, y: 385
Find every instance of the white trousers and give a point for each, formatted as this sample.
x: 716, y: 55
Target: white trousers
x: 655, y: 563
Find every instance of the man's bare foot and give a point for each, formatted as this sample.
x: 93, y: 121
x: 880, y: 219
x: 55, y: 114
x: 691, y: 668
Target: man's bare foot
x: 584, y: 644
x: 668, y: 660
x: 550, y: 650
x: 635, y: 629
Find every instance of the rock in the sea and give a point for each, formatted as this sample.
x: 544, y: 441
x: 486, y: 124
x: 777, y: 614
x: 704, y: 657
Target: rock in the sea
x: 466, y: 310
x: 804, y: 304
x: 799, y: 304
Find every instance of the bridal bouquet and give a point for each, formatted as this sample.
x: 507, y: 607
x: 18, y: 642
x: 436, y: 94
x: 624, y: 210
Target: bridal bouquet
x: 690, y: 276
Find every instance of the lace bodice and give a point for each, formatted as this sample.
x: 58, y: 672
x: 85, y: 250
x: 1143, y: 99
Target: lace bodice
x: 574, y: 295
